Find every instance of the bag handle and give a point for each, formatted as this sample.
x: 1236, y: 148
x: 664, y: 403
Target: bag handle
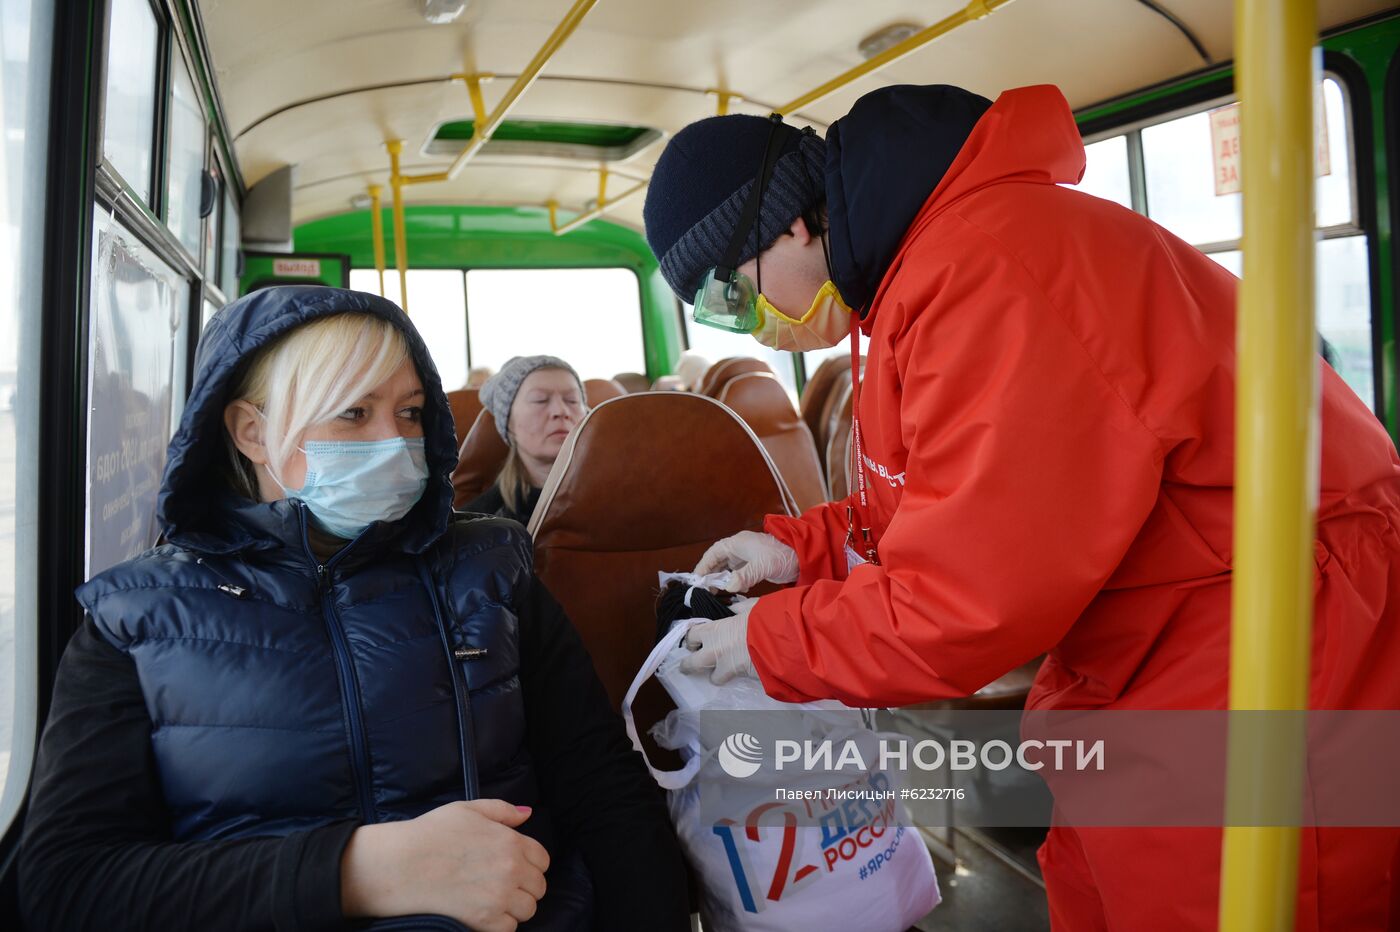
x: 666, y: 779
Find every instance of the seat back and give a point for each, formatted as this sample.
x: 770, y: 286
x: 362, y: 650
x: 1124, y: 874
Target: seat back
x: 597, y: 391
x: 721, y: 372
x: 479, y: 460
x: 632, y: 382
x: 838, y: 455
x: 466, y: 405
x: 644, y: 483
x: 816, y: 392
x: 761, y: 401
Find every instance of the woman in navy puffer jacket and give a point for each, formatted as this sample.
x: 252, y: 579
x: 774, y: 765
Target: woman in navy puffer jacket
x: 327, y: 697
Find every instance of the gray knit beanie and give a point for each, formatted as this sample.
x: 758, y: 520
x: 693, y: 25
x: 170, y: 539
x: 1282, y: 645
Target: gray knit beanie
x: 698, y: 189
x: 498, y: 393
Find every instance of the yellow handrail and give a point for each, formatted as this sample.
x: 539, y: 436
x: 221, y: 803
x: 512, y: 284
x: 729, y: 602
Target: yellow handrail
x: 484, y: 128
x: 376, y: 222
x: 395, y: 147
x: 1275, y: 463
x: 593, y: 214
x: 975, y: 10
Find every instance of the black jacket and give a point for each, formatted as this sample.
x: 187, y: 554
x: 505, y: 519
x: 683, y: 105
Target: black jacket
x: 492, y: 502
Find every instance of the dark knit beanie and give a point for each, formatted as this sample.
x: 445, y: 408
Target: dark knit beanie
x: 701, y: 181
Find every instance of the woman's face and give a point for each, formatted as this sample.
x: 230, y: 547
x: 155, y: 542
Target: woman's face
x: 546, y: 408
x: 393, y: 409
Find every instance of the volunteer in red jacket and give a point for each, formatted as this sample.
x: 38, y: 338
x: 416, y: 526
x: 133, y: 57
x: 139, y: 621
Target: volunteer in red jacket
x: 1045, y: 442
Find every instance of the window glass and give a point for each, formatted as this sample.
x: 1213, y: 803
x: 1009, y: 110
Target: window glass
x: 591, y: 318
x: 1343, y: 309
x: 1344, y: 312
x: 138, y: 307
x: 26, y: 37
x: 437, y: 307
x: 1106, y: 171
x: 185, y: 174
x: 1180, y: 175
x: 229, y: 243
x: 715, y: 344
x: 1334, y: 190
x: 129, y: 111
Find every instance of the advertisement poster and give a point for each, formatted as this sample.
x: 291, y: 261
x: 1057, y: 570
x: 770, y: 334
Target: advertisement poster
x: 138, y: 304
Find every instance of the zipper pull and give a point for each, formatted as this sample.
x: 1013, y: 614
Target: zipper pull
x: 321, y: 577
x: 237, y: 592
x: 469, y: 653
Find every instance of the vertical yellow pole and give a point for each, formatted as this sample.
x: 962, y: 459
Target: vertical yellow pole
x: 376, y: 213
x: 395, y: 147
x: 1275, y: 463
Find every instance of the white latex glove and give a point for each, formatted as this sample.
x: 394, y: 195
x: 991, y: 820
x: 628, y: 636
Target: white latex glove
x: 721, y: 646
x: 751, y: 557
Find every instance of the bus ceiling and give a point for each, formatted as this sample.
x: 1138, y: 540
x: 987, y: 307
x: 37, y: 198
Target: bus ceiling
x: 325, y: 86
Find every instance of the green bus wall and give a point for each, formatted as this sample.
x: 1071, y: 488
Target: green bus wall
x: 466, y: 237
x: 1372, y: 48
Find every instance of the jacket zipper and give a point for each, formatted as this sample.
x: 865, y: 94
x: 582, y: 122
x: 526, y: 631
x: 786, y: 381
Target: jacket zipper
x: 465, y: 733
x: 349, y: 683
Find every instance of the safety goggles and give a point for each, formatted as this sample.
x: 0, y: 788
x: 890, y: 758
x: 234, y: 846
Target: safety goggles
x: 726, y: 298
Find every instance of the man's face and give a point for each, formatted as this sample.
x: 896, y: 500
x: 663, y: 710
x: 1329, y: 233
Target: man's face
x: 794, y: 270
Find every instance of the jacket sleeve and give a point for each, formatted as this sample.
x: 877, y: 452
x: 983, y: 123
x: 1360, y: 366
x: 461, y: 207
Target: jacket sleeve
x: 594, y: 783
x: 1028, y: 477
x: 97, y: 851
x: 818, y: 536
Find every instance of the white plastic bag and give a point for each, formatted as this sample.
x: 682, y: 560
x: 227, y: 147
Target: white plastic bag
x: 766, y: 869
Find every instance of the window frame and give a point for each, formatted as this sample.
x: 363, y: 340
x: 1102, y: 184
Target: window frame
x: 1218, y: 92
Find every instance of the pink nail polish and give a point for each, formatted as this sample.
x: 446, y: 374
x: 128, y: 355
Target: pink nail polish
x: 525, y: 809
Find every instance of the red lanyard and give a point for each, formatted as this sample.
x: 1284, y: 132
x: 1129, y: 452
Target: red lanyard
x: 859, y: 449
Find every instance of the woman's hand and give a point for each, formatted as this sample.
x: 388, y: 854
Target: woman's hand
x: 464, y: 860
x: 751, y: 557
x: 721, y: 646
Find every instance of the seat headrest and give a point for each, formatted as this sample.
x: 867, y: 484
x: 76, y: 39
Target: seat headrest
x: 760, y: 399
x: 632, y: 382
x: 597, y: 391
x: 648, y: 472
x: 466, y: 405
x: 479, y: 460
x: 721, y: 372
x: 818, y: 389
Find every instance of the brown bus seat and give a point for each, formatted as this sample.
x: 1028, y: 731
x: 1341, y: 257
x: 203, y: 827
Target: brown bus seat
x: 759, y: 398
x: 721, y: 372
x: 838, y: 455
x: 817, y: 390
x: 645, y: 483
x: 466, y: 405
x: 632, y: 382
x: 479, y: 460
x: 597, y: 391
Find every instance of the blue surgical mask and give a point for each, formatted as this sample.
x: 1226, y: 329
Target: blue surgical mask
x: 350, y: 484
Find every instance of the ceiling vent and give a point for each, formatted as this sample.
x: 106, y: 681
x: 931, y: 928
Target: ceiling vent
x: 587, y: 142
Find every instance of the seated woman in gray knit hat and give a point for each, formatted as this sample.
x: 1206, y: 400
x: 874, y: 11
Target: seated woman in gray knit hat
x: 536, y: 401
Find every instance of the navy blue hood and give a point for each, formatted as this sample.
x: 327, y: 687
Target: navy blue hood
x: 883, y: 160
x: 195, y: 508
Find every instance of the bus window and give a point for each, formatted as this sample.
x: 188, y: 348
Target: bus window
x: 129, y: 113
x: 437, y: 308
x: 185, y: 172
x: 591, y: 318
x: 1106, y: 172
x: 228, y: 243
x: 138, y: 309
x: 1181, y: 195
x: 26, y: 64
x: 715, y: 345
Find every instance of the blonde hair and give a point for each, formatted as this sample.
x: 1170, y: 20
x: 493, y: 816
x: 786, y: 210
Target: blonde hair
x: 309, y: 376
x: 513, y: 480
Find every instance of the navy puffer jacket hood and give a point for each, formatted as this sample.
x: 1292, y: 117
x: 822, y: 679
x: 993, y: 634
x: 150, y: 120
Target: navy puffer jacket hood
x: 195, y: 514
x: 883, y: 160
